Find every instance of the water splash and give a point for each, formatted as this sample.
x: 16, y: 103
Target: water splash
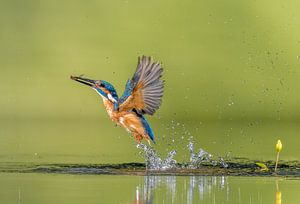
x: 155, y: 162
x: 197, y: 159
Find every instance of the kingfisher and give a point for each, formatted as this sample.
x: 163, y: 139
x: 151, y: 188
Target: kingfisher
x: 143, y: 95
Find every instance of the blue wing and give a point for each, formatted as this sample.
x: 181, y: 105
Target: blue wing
x: 128, y: 90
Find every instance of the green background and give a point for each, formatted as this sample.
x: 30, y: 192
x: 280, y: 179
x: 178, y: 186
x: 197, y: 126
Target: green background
x: 231, y: 71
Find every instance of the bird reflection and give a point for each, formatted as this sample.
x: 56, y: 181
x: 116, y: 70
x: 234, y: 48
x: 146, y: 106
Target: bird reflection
x: 164, y: 188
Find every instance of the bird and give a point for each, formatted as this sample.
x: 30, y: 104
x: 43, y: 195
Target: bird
x: 142, y: 96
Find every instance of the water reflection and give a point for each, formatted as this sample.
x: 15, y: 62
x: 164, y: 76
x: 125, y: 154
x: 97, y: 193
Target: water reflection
x: 192, y: 189
x: 278, y: 194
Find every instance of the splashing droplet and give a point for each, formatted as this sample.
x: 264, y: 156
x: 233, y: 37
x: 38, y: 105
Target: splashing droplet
x: 154, y: 162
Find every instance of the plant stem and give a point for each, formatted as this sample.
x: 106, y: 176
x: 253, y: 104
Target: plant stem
x: 277, y: 158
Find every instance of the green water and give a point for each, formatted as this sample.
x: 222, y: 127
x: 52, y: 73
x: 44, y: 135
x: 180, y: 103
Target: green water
x: 232, y: 84
x: 49, y: 188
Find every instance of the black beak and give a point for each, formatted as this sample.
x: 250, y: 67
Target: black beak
x: 85, y: 81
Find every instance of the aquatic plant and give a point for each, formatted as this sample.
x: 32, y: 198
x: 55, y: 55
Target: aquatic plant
x: 278, y: 148
x: 262, y: 166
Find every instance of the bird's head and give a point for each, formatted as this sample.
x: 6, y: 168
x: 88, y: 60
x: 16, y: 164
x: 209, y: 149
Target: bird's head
x: 103, y: 88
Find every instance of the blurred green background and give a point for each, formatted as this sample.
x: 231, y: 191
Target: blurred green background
x: 231, y: 71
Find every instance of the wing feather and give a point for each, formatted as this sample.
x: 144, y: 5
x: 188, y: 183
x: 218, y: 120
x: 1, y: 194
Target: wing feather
x: 145, y: 90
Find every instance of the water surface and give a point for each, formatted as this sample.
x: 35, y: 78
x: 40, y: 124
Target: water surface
x: 57, y: 188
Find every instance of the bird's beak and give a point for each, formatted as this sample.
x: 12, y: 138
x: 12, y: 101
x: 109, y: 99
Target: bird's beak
x: 85, y: 81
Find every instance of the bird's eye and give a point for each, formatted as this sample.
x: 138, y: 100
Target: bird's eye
x: 100, y: 84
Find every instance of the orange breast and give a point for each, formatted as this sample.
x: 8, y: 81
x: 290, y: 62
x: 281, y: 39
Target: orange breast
x: 128, y: 120
x: 110, y: 109
x: 131, y: 123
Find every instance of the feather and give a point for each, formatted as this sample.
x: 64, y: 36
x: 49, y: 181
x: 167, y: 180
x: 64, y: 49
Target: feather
x: 145, y: 90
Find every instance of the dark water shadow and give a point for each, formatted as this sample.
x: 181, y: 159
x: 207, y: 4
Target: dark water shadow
x: 236, y: 167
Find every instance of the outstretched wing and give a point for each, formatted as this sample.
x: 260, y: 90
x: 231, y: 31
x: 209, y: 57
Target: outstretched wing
x: 145, y: 90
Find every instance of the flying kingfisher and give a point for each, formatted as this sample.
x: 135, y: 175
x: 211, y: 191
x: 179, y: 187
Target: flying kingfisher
x: 143, y: 95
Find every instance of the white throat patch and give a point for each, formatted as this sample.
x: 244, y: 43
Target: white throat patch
x: 111, y: 98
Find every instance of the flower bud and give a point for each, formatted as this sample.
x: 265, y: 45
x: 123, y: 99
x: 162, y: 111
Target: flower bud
x: 278, y: 146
